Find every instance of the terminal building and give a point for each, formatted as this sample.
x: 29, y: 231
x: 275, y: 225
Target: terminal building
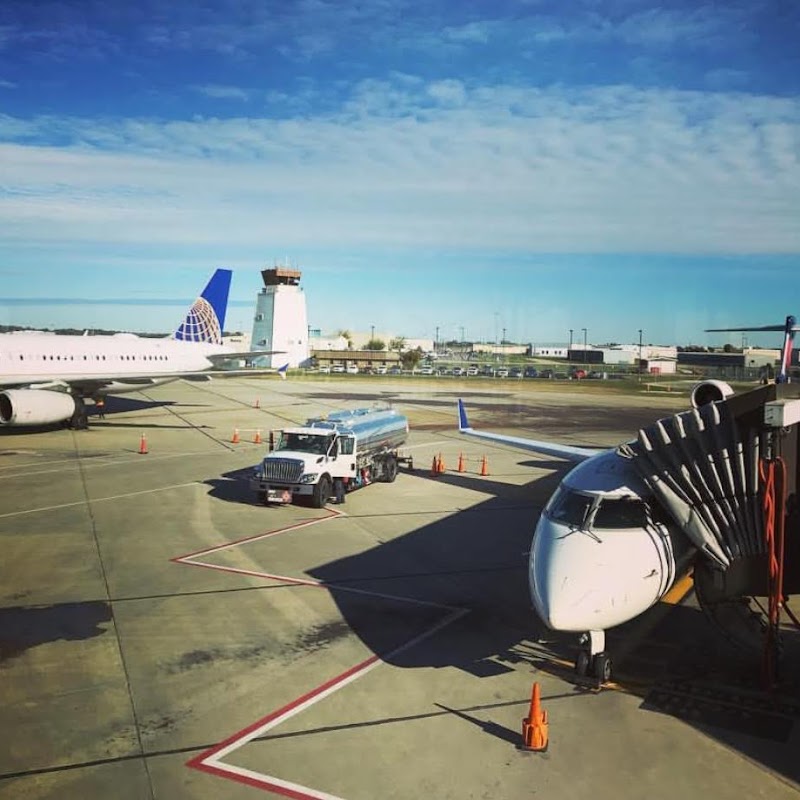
x: 281, y: 319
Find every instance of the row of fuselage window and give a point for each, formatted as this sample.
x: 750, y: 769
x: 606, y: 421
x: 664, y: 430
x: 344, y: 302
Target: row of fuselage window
x: 95, y: 358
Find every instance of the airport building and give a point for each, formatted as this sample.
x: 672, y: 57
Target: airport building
x: 281, y: 319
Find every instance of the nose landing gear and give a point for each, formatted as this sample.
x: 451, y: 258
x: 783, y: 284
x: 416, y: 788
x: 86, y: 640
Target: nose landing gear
x: 591, y: 659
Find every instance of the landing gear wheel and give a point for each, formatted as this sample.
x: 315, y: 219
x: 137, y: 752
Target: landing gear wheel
x: 322, y: 492
x: 582, y: 664
x: 602, y: 667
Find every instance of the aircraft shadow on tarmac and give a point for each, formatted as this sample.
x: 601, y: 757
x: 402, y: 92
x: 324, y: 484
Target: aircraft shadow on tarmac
x: 477, y: 560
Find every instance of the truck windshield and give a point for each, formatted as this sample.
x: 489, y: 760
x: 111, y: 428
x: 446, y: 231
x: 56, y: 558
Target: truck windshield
x: 304, y: 443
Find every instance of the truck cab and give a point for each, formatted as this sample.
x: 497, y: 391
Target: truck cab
x: 355, y: 446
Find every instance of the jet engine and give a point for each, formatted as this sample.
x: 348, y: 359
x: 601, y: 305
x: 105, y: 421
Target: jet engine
x: 707, y: 392
x: 35, y: 407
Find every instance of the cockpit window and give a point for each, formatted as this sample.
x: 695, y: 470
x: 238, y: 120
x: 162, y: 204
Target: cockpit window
x: 568, y: 507
x: 620, y: 512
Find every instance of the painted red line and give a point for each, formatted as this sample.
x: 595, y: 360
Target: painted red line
x: 330, y: 513
x: 242, y: 734
x: 253, y: 574
x: 272, y: 784
x: 252, y: 781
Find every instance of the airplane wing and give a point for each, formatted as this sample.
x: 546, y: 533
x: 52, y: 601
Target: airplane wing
x: 567, y: 452
x: 90, y: 384
x: 221, y: 358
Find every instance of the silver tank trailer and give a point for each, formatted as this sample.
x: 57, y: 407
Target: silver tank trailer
x: 376, y: 430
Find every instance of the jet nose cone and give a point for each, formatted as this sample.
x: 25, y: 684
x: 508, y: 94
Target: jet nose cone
x: 564, y: 595
x: 579, y: 583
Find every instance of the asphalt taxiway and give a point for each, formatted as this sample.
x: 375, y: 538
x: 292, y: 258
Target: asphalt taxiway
x: 164, y: 636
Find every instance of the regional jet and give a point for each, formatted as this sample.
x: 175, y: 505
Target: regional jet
x: 626, y: 523
x: 45, y: 378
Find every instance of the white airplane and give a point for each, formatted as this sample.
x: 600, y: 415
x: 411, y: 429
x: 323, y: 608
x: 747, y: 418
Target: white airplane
x: 45, y: 378
x: 604, y: 549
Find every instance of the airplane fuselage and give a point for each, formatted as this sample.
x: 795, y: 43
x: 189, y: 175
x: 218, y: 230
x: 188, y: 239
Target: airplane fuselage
x: 26, y: 358
x: 602, y: 552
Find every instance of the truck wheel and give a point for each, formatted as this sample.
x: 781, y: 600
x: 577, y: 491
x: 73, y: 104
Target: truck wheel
x: 322, y: 491
x: 389, y: 469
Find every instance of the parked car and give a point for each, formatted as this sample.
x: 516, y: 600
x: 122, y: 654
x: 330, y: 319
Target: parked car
x: 325, y: 369
x: 337, y: 368
x: 458, y: 371
x: 352, y: 369
x: 367, y: 371
x: 546, y: 373
x: 425, y: 371
x: 502, y: 372
x: 531, y: 372
x: 472, y: 371
x: 395, y: 371
x: 515, y: 372
x: 380, y: 370
x: 578, y: 374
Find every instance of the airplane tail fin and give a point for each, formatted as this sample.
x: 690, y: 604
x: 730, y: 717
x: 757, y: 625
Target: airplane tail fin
x: 282, y: 370
x: 205, y: 320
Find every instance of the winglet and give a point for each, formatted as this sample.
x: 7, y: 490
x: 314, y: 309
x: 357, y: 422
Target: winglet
x: 786, y: 354
x: 463, y: 424
x: 282, y: 370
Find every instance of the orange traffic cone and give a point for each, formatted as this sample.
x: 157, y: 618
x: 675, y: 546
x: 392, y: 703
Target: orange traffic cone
x: 257, y: 438
x: 441, y: 464
x: 235, y: 437
x: 460, y: 462
x: 143, y: 445
x: 435, y: 467
x: 534, y: 726
x: 484, y: 467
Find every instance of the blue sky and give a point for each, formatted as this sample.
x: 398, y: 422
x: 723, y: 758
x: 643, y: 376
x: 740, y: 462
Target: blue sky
x: 523, y: 166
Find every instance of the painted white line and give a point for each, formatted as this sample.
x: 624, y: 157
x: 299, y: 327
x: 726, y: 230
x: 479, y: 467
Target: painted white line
x: 211, y: 761
x: 87, y: 462
x: 92, y: 500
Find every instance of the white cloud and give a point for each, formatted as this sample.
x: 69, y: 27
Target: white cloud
x: 613, y: 169
x: 219, y: 92
x: 448, y: 93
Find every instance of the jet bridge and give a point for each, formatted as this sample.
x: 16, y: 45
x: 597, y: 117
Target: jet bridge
x: 727, y: 473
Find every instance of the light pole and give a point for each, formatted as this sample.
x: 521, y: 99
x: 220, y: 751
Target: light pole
x: 584, y: 346
x: 570, y: 344
x: 436, y: 343
x: 372, y: 334
x: 639, y: 370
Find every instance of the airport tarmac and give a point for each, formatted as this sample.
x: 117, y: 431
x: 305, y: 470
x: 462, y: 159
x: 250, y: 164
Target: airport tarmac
x: 162, y: 635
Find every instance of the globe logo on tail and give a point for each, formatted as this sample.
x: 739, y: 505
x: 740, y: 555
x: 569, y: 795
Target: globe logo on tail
x: 201, y: 324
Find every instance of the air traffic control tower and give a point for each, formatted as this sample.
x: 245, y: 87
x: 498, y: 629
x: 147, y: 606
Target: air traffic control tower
x: 281, y: 321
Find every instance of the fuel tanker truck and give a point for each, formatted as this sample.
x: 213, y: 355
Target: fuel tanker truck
x: 357, y: 446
